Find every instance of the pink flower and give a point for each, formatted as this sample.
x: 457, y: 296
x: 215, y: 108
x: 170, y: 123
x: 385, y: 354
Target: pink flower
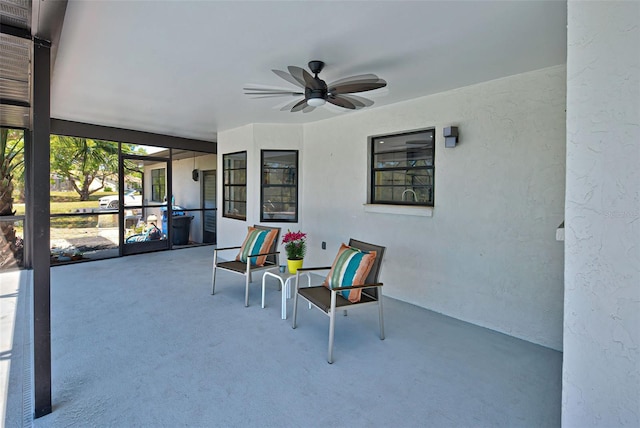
x: 293, y: 236
x: 295, y: 244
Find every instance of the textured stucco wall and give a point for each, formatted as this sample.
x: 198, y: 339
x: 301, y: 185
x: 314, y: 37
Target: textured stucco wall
x: 488, y: 255
x: 601, y: 372
x: 231, y: 141
x: 254, y: 138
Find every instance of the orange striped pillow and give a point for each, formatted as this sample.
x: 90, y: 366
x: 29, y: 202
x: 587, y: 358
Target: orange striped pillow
x: 258, y: 241
x: 350, y: 267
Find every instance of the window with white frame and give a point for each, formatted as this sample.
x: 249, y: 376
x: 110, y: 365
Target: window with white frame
x: 402, y: 168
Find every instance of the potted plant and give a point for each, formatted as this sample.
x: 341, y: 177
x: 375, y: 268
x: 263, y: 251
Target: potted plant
x: 296, y: 246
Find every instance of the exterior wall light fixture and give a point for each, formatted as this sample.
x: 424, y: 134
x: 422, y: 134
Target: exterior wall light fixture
x: 450, y: 136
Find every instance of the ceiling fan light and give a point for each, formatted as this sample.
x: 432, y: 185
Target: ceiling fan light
x: 316, y: 102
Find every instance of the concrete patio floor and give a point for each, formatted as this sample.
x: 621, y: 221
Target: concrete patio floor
x: 140, y: 341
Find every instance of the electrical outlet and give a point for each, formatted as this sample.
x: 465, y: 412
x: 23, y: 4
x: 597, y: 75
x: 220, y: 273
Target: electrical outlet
x: 324, y: 245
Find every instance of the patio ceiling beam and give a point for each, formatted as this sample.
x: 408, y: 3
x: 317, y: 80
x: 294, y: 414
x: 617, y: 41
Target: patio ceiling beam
x: 47, y: 18
x: 87, y: 130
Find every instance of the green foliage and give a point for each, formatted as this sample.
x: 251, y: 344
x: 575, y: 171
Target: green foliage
x: 11, y: 171
x: 83, y: 160
x: 11, y: 167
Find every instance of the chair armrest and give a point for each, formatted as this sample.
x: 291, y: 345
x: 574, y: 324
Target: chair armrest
x: 351, y: 287
x: 313, y: 268
x: 249, y: 265
x: 227, y: 248
x: 263, y: 254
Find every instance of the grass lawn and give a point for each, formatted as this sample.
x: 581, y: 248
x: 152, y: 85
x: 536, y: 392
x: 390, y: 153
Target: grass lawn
x: 69, y: 202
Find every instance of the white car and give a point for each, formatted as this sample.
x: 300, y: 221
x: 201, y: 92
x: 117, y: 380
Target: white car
x: 131, y: 198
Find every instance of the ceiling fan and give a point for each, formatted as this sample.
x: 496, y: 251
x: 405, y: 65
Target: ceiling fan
x: 317, y: 92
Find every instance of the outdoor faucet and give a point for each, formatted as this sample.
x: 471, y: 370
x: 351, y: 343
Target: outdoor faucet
x: 415, y: 198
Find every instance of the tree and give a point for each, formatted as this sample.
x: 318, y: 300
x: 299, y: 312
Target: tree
x: 82, y: 161
x: 11, y: 163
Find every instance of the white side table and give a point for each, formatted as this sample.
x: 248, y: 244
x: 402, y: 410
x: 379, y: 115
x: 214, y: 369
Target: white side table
x: 285, y: 282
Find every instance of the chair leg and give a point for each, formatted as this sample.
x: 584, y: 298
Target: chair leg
x: 246, y: 291
x: 381, y: 316
x: 248, y: 280
x: 332, y: 325
x: 215, y: 264
x: 295, y: 304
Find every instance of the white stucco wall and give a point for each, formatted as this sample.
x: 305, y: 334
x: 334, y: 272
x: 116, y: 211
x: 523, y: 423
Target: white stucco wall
x: 254, y: 138
x: 488, y: 255
x: 601, y: 367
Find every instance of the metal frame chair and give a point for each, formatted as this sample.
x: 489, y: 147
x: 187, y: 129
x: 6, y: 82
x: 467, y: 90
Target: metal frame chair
x: 246, y: 269
x: 328, y: 301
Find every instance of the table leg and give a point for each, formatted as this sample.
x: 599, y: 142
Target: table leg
x: 263, y: 278
x: 285, y: 287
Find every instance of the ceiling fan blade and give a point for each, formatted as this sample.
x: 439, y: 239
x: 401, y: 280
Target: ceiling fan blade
x: 289, y: 106
x: 361, y: 77
x: 347, y: 88
x: 311, y: 81
x: 338, y: 93
x: 299, y: 74
x: 254, y: 92
x: 341, y: 102
x: 303, y: 76
x: 265, y: 89
x: 289, y: 78
x: 262, y: 87
x: 357, y: 101
x: 257, y: 96
x: 299, y: 106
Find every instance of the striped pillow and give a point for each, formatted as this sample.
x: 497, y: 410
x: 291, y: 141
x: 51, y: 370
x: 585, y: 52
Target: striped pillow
x: 350, y: 267
x: 258, y: 241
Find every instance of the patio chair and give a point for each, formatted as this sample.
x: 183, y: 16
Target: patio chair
x: 352, y: 282
x: 258, y: 252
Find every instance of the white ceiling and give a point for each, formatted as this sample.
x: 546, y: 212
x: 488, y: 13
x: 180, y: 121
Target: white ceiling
x: 178, y: 67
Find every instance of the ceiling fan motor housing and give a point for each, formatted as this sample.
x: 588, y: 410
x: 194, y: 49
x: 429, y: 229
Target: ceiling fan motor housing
x: 310, y: 93
x: 320, y: 90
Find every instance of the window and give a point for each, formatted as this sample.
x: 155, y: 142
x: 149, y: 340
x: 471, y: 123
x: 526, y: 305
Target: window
x: 279, y: 195
x: 402, y: 169
x: 158, y: 186
x: 234, y: 172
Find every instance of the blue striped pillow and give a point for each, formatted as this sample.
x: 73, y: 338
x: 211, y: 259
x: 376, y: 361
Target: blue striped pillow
x: 258, y: 241
x: 350, y: 267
